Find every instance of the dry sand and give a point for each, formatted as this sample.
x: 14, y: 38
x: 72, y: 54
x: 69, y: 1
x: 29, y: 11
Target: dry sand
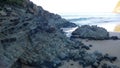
x: 111, y: 47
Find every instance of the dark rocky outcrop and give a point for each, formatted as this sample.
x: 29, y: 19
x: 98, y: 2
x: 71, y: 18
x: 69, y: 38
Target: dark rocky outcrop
x: 109, y: 66
x: 114, y: 38
x: 90, y: 32
x: 110, y: 58
x: 31, y: 36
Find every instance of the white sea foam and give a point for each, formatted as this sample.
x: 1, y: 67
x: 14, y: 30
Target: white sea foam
x: 105, y: 20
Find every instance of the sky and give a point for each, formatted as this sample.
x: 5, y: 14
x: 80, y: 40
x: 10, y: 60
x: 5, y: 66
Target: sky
x: 77, y: 6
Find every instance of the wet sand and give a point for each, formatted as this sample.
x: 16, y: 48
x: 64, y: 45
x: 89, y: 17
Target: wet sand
x: 112, y: 47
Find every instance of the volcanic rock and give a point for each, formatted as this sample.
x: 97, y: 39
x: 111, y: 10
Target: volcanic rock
x: 91, y: 32
x: 32, y: 36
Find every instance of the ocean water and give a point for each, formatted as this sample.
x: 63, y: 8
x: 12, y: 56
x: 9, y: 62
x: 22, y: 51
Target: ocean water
x: 105, y: 20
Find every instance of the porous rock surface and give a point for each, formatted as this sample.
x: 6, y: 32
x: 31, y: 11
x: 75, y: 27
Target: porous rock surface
x: 31, y: 36
x: 91, y: 32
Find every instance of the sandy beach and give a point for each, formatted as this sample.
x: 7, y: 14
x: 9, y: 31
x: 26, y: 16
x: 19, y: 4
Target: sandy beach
x: 112, y: 47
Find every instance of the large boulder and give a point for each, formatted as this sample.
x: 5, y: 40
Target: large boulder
x: 91, y: 32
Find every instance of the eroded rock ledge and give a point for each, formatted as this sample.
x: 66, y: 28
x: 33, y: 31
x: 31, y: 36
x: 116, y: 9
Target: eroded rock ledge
x: 30, y: 35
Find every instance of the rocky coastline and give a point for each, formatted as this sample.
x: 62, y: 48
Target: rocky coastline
x: 32, y: 36
x: 93, y: 33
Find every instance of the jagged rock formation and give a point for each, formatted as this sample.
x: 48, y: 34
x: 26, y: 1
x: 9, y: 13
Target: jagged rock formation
x: 91, y: 32
x: 32, y: 36
x: 30, y: 31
